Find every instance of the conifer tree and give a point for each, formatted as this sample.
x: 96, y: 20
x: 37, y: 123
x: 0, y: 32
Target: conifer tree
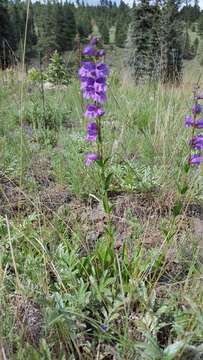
x: 104, y: 31
x: 171, y: 42
x: 154, y: 41
x: 139, y: 41
x: 53, y: 24
x: 4, y: 33
x: 15, y: 11
x: 70, y: 26
x: 122, y: 24
x: 83, y: 23
x: 31, y: 39
x: 200, y: 25
x: 154, y: 44
x: 196, y: 9
x: 47, y: 41
x: 65, y: 27
x: 188, y: 50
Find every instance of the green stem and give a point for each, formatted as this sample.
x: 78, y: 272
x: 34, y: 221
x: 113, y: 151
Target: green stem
x: 105, y: 198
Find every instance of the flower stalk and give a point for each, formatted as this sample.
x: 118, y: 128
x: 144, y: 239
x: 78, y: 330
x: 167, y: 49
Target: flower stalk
x: 93, y: 74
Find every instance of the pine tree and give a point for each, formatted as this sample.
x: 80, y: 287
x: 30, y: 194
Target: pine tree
x: 155, y: 48
x: 70, y: 26
x: 196, y: 10
x: 200, y: 25
x: 15, y: 12
x: 122, y: 25
x: 47, y: 41
x: 139, y: 41
x: 104, y: 31
x: 53, y: 24
x: 188, y: 51
x: 4, y: 34
x: 171, y: 42
x: 190, y: 13
x: 31, y: 39
x: 65, y: 27
x: 83, y: 23
x: 155, y: 41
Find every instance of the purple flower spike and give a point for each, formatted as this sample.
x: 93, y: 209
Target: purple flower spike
x: 189, y: 121
x: 196, y: 109
x: 92, y: 132
x: 195, y: 159
x: 90, y: 158
x: 89, y: 51
x: 101, y: 53
x: 93, y: 111
x: 93, y: 74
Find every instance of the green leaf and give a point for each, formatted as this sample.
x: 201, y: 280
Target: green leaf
x: 100, y: 163
x: 186, y: 167
x: 106, y: 160
x: 176, y: 210
x: 184, y: 189
x: 107, y: 181
x: 106, y: 204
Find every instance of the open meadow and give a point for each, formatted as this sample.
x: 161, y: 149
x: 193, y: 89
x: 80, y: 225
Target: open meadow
x: 66, y: 291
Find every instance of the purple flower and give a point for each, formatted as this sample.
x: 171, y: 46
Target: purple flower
x: 89, y: 92
x: 87, y: 69
x: 89, y: 51
x: 101, y: 53
x: 189, y: 121
x: 86, y: 82
x: 90, y: 158
x: 199, y: 124
x: 195, y: 159
x: 196, y: 109
x: 99, y: 97
x: 92, y: 131
x: 198, y: 97
x: 100, y: 84
x: 197, y: 142
x: 93, y: 111
x: 102, y: 70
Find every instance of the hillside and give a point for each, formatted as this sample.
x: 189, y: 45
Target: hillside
x: 65, y: 291
x: 101, y: 181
